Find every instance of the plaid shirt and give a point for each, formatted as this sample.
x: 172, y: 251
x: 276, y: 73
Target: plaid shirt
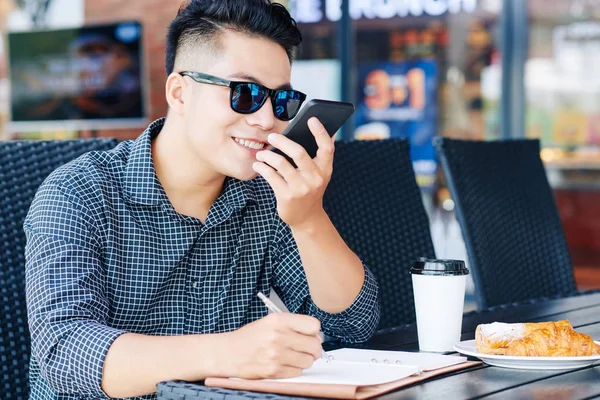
x: 107, y: 254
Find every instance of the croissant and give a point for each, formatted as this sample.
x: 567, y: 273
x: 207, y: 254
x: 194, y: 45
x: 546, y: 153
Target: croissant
x: 547, y: 339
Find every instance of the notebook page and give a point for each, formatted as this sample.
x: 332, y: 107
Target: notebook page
x: 424, y: 361
x: 351, y: 373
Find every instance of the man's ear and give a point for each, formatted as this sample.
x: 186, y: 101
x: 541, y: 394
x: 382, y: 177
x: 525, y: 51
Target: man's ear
x: 174, y: 92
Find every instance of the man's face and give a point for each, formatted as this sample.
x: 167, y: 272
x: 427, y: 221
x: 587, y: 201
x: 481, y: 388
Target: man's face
x: 224, y: 141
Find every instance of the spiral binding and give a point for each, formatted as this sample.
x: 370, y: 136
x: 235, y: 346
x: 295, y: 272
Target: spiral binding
x: 329, y: 357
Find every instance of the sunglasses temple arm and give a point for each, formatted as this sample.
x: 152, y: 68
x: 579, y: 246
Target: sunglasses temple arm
x: 209, y: 79
x: 216, y: 81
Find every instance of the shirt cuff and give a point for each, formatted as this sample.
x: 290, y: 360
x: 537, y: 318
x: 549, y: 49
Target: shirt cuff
x: 358, y: 322
x: 87, y: 348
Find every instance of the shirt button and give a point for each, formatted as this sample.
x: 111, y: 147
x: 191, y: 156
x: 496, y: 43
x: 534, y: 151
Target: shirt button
x: 194, y: 283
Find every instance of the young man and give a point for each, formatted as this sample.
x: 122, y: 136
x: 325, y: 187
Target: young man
x: 144, y: 262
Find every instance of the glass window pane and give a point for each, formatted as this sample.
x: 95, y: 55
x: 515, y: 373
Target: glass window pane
x: 562, y: 87
x: 423, y: 68
x: 562, y: 83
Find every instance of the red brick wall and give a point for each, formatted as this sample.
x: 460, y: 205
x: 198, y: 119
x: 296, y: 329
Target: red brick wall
x: 155, y: 16
x: 580, y: 214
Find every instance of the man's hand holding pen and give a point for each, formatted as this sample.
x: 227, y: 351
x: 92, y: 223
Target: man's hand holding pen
x: 280, y: 345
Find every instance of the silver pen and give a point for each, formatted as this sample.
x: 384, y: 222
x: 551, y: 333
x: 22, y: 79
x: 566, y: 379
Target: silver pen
x: 273, y: 307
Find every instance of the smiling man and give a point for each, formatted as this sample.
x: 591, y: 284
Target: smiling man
x: 144, y: 262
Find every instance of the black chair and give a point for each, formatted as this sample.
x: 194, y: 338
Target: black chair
x: 375, y: 204
x: 23, y: 167
x: 510, y: 223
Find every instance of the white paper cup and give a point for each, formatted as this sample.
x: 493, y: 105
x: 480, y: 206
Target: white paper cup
x: 439, y: 294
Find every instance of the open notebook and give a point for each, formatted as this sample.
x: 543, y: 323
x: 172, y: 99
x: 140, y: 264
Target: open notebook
x: 354, y: 374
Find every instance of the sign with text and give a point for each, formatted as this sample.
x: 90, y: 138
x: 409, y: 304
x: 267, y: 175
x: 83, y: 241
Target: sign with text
x: 399, y: 100
x: 311, y: 11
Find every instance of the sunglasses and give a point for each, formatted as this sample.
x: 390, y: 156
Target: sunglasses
x: 249, y: 97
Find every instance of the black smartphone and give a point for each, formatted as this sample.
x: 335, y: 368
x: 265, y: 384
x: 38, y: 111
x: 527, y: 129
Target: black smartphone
x: 332, y: 114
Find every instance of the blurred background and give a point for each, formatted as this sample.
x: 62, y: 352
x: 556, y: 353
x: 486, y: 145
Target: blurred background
x: 469, y: 69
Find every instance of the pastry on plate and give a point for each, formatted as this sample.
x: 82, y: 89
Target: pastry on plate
x: 540, y: 339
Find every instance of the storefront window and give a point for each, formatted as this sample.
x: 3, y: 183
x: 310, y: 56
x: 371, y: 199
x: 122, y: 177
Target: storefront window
x: 562, y: 84
x: 423, y: 68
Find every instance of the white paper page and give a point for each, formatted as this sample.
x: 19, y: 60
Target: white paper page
x: 424, y: 361
x: 351, y: 373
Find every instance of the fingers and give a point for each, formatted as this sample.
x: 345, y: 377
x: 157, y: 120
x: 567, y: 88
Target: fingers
x: 325, y: 143
x: 298, y: 359
x: 295, y: 340
x: 308, y: 347
x: 323, y: 161
x: 280, y: 345
x: 280, y: 164
x: 298, y: 332
x: 275, y: 180
x: 303, y: 324
x: 283, y: 176
x: 293, y: 150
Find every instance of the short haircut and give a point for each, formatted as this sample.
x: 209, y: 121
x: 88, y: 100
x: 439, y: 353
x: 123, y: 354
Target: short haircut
x: 201, y: 22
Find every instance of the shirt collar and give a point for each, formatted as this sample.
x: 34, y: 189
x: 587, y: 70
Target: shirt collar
x: 237, y: 194
x: 141, y: 183
x: 143, y: 187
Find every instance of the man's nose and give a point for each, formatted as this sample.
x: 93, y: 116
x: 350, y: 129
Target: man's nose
x: 263, y: 117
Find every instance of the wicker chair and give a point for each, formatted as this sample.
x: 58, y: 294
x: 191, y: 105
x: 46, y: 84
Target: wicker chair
x: 510, y: 223
x: 23, y: 167
x: 376, y: 205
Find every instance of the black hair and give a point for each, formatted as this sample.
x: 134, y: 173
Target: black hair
x: 201, y: 21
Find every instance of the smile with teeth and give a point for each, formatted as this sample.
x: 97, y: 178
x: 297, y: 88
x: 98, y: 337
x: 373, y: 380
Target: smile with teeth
x: 250, y: 143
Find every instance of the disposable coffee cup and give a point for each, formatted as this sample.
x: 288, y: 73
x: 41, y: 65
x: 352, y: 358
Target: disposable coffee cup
x: 439, y: 293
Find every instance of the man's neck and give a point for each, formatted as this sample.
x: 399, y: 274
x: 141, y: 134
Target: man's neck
x: 192, y: 188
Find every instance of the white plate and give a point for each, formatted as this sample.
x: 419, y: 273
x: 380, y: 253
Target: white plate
x: 469, y: 348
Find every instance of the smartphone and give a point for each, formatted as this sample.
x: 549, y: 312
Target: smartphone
x: 332, y: 114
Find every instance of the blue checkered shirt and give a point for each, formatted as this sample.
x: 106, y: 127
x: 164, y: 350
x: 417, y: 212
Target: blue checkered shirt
x: 107, y: 254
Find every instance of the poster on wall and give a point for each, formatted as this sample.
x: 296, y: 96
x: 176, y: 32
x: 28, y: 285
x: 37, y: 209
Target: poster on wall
x: 88, y: 77
x: 399, y: 100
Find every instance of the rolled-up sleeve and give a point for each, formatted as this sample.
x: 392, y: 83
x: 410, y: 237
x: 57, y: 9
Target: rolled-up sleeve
x: 66, y: 297
x: 355, y: 324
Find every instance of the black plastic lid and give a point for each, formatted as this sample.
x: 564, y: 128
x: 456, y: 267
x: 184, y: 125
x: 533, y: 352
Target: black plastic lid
x: 427, y: 266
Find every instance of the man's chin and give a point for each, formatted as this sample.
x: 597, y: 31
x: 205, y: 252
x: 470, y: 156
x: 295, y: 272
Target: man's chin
x: 245, y: 175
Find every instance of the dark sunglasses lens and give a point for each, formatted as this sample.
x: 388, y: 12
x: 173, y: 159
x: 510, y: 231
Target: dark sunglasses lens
x: 247, y: 97
x: 287, y: 103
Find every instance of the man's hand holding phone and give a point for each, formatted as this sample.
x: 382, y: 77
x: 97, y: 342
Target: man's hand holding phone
x: 300, y: 164
x: 299, y: 191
